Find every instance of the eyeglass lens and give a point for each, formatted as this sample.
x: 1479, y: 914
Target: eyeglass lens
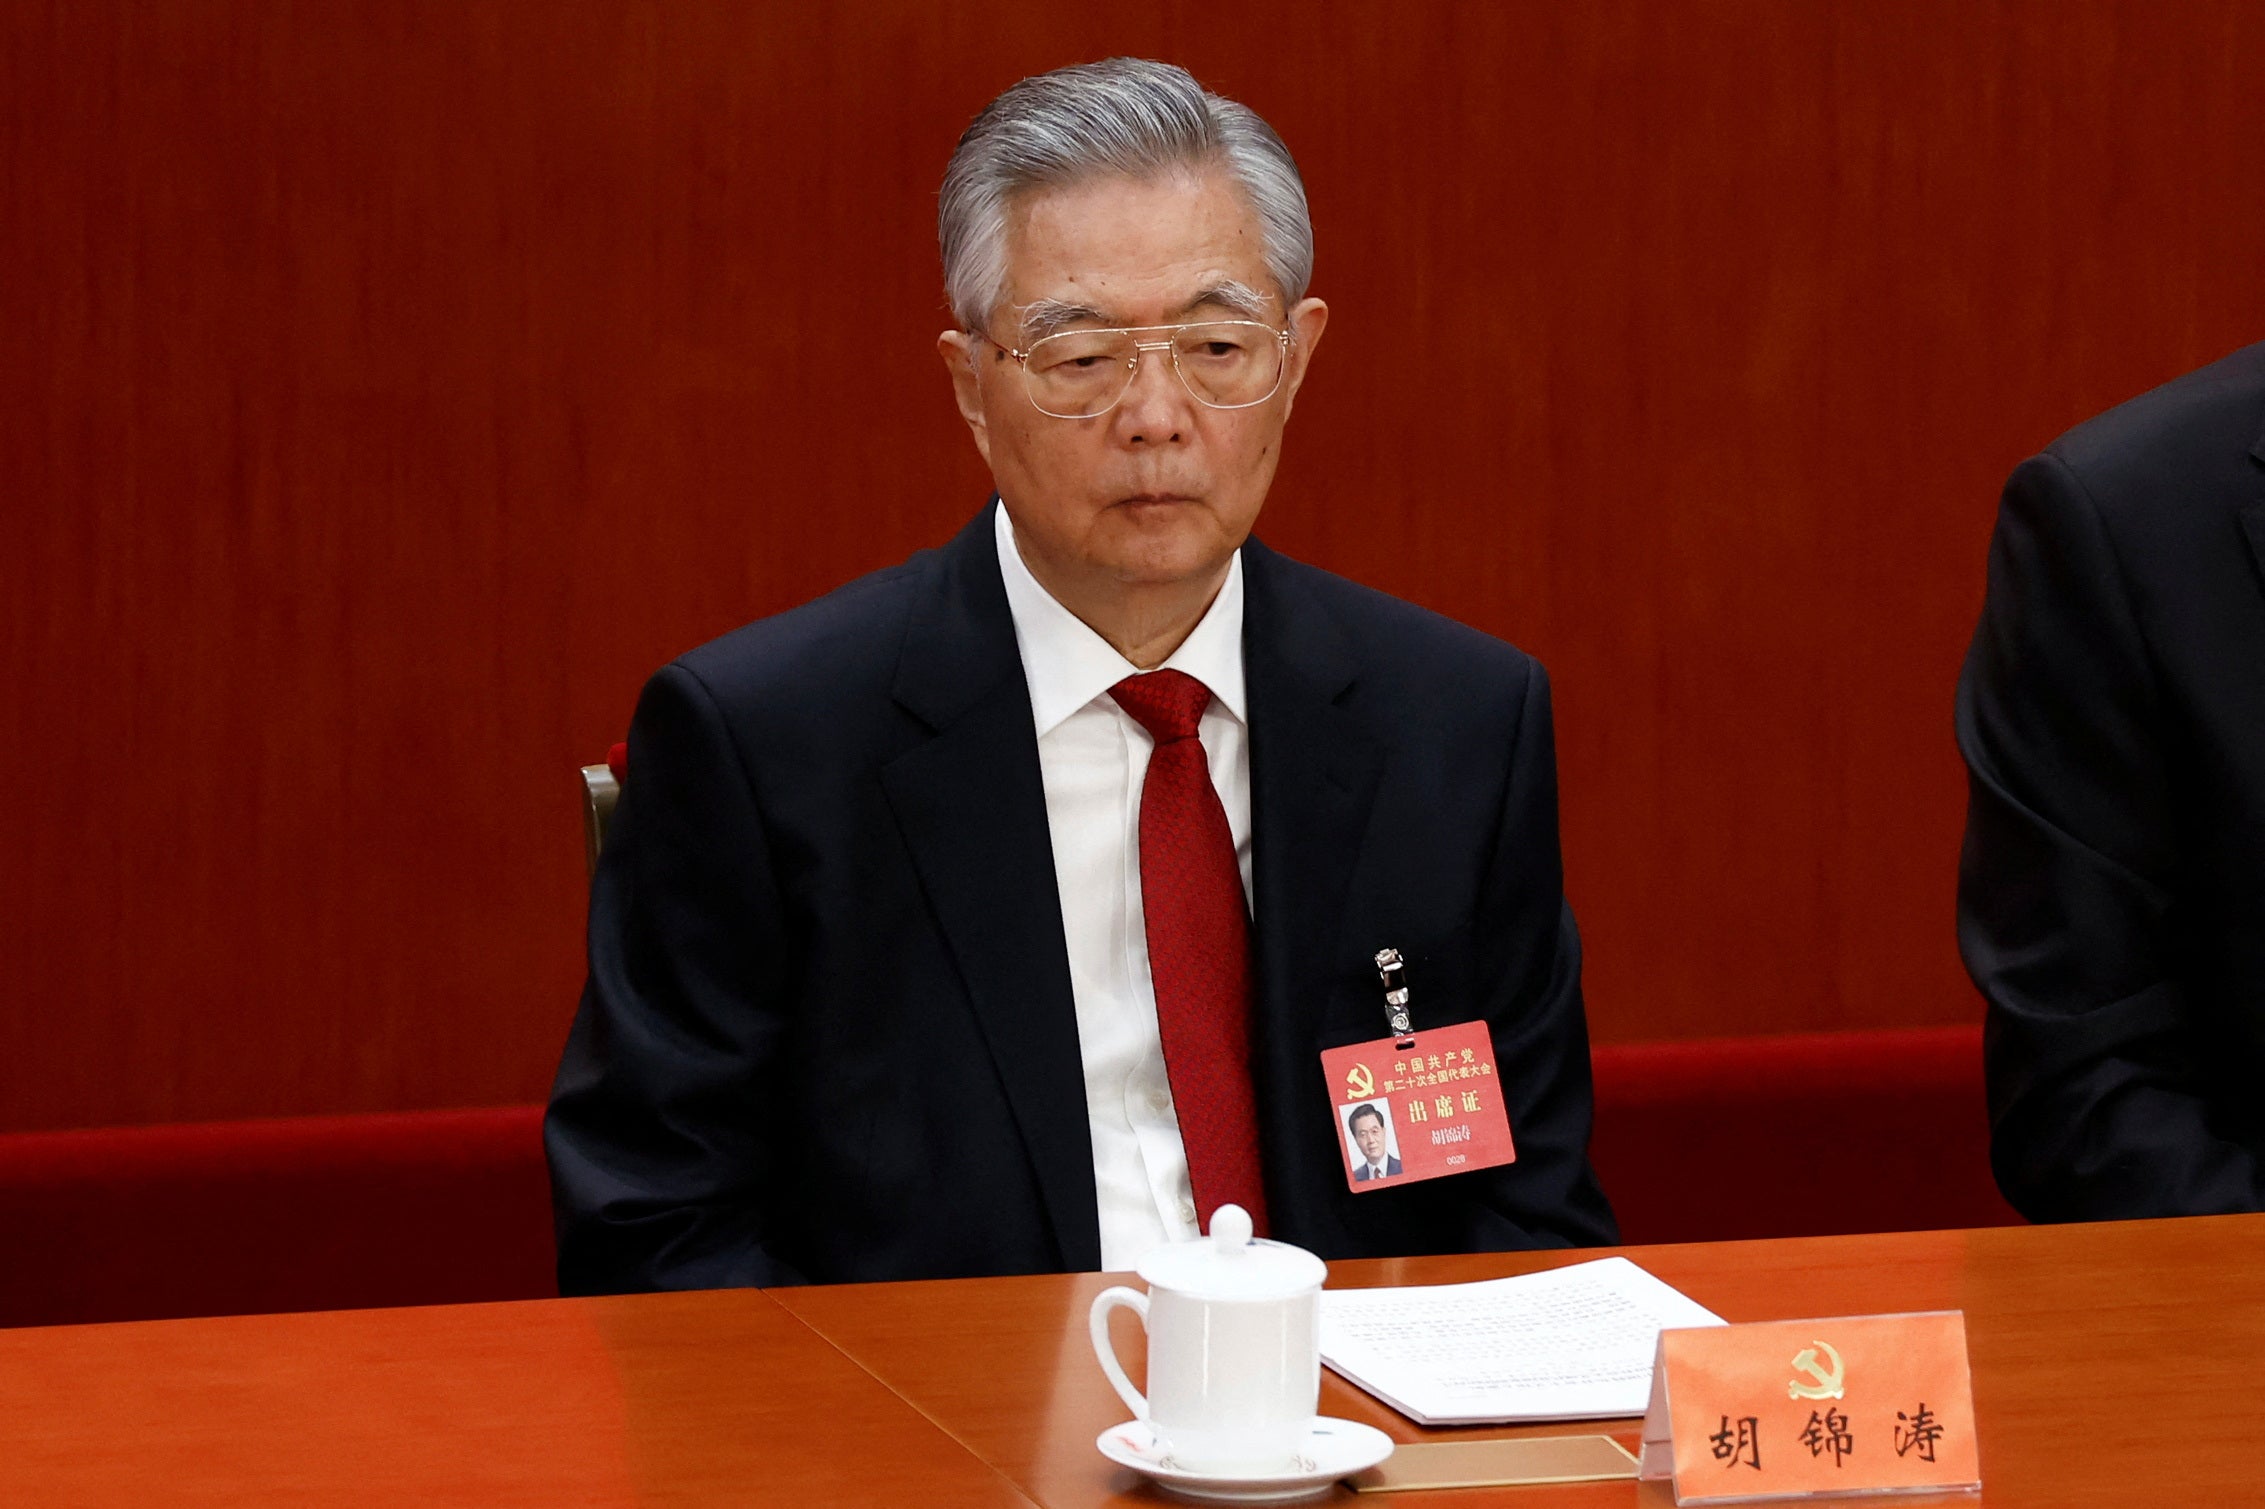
x: 1080, y: 373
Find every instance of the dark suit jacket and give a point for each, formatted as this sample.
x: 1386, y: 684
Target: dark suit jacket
x: 1391, y: 1167
x: 2112, y: 892
x: 827, y: 971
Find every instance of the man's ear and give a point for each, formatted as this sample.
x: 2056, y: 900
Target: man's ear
x: 960, y: 353
x: 1308, y: 318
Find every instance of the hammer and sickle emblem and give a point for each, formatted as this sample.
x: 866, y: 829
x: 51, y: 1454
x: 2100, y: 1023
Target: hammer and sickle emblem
x: 1829, y: 1380
x: 1362, y: 1082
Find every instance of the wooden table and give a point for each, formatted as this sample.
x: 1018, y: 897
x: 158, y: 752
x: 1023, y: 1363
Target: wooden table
x: 719, y: 1398
x: 2112, y: 1365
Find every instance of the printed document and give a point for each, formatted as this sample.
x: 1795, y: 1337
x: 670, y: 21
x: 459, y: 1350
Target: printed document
x: 1570, y: 1344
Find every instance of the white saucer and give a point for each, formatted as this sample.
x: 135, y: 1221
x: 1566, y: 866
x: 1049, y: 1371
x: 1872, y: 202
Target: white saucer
x: 1332, y: 1449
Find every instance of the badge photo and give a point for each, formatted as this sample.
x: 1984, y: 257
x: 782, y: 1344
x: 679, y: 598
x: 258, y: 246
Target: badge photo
x: 1370, y: 1141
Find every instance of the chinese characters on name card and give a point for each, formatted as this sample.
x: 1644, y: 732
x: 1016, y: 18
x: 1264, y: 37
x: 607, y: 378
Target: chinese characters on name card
x: 1875, y: 1404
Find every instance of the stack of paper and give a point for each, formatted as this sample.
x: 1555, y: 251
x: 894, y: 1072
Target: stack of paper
x: 1571, y: 1344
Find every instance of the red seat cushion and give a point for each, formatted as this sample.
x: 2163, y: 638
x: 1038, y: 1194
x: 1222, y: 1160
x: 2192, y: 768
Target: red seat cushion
x: 331, y: 1212
x: 1815, y: 1134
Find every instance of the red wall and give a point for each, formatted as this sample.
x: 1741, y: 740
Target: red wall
x: 386, y: 388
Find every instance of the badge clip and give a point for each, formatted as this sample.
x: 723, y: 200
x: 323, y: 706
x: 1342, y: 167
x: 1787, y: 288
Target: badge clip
x: 1404, y: 1116
x: 1392, y: 971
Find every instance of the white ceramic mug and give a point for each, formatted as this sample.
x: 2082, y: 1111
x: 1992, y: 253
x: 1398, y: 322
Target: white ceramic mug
x: 1234, y: 1348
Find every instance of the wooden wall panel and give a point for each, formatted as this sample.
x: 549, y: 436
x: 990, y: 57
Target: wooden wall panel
x: 386, y: 388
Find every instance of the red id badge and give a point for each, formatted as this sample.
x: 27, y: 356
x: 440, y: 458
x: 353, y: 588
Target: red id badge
x: 1430, y: 1108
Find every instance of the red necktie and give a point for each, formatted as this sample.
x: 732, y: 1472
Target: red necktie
x: 1198, y: 945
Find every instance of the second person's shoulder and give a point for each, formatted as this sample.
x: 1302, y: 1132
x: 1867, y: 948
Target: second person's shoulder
x: 2160, y: 449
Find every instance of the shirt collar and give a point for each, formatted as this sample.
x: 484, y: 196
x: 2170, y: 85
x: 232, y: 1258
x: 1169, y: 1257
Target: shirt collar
x: 1068, y: 665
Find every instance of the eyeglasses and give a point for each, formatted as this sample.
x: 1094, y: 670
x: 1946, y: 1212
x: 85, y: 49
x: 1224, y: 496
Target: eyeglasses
x: 1224, y: 364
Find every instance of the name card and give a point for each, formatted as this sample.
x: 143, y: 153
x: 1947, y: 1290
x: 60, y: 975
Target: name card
x: 1858, y: 1406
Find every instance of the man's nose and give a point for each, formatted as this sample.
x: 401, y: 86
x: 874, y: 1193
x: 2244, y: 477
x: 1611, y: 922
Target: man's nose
x: 1157, y: 406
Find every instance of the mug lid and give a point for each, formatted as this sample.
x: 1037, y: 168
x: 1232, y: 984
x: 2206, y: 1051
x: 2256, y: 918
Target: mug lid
x: 1230, y: 1264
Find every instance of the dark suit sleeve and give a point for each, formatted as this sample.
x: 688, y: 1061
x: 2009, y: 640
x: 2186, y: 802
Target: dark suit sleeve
x: 656, y: 1133
x: 1530, y: 958
x: 2067, y: 914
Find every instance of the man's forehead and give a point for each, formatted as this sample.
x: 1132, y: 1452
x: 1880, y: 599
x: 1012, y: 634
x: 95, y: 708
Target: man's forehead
x: 1118, y: 250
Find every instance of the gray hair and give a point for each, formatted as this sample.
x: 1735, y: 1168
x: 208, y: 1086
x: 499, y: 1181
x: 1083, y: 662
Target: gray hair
x: 1124, y: 116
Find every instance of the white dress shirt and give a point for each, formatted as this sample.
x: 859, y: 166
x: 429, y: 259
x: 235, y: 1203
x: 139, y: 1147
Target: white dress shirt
x: 1093, y: 758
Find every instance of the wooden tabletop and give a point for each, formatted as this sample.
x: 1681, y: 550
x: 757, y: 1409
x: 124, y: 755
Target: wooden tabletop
x: 717, y: 1398
x: 2112, y: 1364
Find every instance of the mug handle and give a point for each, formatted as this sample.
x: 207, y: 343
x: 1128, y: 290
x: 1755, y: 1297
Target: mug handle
x: 1107, y: 1300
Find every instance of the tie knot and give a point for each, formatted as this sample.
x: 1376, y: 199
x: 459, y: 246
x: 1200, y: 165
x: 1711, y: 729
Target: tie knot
x: 1169, y: 704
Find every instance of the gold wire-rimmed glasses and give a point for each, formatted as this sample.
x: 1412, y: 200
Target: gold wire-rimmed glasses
x: 1224, y: 364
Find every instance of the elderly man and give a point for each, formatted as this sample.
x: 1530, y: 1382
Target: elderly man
x: 1020, y: 888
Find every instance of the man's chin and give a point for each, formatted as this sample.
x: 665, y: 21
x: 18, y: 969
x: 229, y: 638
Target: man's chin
x: 1153, y: 548
x: 1167, y: 568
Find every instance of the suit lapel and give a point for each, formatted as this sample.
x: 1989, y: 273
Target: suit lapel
x: 1313, y: 781
x: 972, y: 807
